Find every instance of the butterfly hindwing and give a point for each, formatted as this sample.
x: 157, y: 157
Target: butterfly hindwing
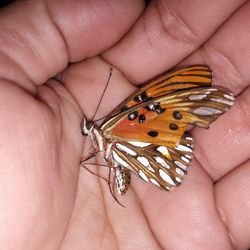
x: 159, y: 165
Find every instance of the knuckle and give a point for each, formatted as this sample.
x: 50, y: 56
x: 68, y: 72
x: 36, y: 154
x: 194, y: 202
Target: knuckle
x: 175, y: 26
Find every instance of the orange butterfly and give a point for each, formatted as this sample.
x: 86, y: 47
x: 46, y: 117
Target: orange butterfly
x: 146, y: 133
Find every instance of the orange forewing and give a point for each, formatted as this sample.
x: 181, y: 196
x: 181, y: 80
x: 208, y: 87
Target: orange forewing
x: 185, y: 78
x: 134, y: 130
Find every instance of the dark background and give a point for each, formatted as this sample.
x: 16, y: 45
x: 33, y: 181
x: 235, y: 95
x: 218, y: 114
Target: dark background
x: 4, y: 2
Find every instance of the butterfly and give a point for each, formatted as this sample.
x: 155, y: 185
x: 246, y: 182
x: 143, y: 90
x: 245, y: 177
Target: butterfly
x: 148, y: 133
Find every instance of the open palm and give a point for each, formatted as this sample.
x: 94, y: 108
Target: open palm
x: 47, y: 201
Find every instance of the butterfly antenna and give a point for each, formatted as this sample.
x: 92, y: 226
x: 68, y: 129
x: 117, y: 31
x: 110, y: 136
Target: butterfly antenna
x: 108, y: 181
x: 106, y: 86
x: 97, y: 120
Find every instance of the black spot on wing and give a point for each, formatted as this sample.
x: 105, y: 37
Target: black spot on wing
x: 142, y: 118
x: 173, y: 126
x: 177, y: 115
x: 132, y: 116
x: 143, y: 97
x: 153, y: 133
x: 156, y: 107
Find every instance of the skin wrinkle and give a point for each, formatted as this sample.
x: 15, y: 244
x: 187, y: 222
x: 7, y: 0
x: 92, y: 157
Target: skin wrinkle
x: 222, y: 216
x: 31, y: 89
x: 110, y: 223
x: 105, y: 209
x: 157, y: 240
x: 10, y: 36
x: 175, y: 26
x: 148, y: 223
x: 221, y: 65
x: 200, y: 157
x: 57, y: 28
x: 94, y: 208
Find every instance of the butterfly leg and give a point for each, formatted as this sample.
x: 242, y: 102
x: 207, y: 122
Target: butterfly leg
x: 92, y: 172
x: 90, y: 156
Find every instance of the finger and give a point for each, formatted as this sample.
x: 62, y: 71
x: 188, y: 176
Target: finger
x: 186, y: 217
x: 87, y: 80
x: 225, y: 145
x: 227, y: 52
x: 232, y: 195
x: 39, y: 38
x: 168, y: 32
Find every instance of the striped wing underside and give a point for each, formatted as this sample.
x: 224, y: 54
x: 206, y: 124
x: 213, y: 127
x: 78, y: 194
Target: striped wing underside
x: 159, y: 165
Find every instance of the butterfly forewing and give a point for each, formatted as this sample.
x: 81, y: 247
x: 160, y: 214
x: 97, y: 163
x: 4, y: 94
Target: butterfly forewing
x: 185, y: 78
x: 166, y: 118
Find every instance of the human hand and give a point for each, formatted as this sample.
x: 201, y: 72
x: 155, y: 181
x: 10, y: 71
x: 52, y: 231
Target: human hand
x: 46, y: 202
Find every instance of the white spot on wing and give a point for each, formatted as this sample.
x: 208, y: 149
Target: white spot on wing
x: 139, y: 144
x: 144, y: 161
x: 161, y: 162
x: 125, y: 149
x: 179, y: 171
x: 189, y: 138
x: 183, y: 148
x: 119, y: 160
x: 196, y: 97
x: 154, y: 182
x: 163, y: 150
x: 185, y: 159
x: 213, y: 89
x: 178, y: 179
x: 206, y: 111
x: 229, y: 97
x: 166, y: 177
x: 179, y: 164
x: 188, y: 156
x: 222, y: 101
x: 142, y: 175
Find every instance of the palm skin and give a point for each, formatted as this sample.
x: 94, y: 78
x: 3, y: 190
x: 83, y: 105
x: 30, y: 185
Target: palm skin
x: 47, y: 201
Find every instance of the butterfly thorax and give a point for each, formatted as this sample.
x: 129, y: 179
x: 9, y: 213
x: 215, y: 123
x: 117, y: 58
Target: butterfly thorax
x: 97, y: 139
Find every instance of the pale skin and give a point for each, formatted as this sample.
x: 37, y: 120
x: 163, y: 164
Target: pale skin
x: 47, y: 200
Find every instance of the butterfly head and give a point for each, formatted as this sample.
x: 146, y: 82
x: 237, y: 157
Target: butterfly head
x: 87, y: 127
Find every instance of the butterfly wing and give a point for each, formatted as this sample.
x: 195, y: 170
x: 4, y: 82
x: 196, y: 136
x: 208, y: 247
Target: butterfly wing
x: 162, y: 166
x: 148, y: 128
x: 163, y: 120
x: 185, y: 78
